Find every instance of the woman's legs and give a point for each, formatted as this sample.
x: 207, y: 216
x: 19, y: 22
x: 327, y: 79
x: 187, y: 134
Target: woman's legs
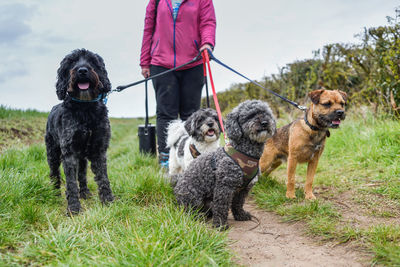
x: 191, y: 85
x: 177, y: 93
x: 167, y: 97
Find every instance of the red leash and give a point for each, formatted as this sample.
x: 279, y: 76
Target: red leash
x: 206, y: 59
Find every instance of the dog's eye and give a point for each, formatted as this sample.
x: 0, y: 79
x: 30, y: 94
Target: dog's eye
x: 327, y: 105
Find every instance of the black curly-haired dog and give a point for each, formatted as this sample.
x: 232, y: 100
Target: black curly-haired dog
x: 219, y: 180
x: 78, y: 129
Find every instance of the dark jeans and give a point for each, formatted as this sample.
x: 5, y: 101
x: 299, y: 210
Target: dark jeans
x: 178, y: 94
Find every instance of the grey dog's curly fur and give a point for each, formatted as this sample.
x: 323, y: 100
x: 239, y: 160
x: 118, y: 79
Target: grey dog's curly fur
x: 214, y: 182
x: 79, y: 131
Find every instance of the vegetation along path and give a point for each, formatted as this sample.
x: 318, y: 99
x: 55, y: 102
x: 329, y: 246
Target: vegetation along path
x: 355, y: 220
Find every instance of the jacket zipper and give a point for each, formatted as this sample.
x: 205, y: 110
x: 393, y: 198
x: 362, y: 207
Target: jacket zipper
x: 172, y: 14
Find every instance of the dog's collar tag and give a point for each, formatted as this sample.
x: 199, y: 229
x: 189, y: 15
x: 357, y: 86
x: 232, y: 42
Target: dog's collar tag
x: 193, y: 150
x: 249, y: 165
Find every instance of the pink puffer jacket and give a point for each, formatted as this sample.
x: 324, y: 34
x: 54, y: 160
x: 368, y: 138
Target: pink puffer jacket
x: 170, y: 43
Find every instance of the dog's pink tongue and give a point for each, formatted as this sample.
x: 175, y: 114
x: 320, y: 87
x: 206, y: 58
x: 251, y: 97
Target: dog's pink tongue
x: 337, y: 122
x: 210, y: 132
x: 83, y: 86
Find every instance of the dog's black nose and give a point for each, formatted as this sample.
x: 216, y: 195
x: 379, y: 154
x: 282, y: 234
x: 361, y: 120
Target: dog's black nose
x: 264, y: 124
x: 82, y: 70
x: 340, y: 112
x: 210, y: 124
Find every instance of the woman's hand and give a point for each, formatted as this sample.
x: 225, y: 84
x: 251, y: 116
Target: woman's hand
x: 206, y: 46
x: 146, y: 72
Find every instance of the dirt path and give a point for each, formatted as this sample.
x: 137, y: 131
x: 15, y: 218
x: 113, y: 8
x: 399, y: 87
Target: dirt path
x: 274, y: 243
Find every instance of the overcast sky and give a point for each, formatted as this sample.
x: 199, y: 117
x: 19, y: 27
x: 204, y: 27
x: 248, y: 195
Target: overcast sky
x: 255, y: 37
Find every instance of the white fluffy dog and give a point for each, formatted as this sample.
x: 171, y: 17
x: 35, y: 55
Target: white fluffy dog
x: 187, y: 140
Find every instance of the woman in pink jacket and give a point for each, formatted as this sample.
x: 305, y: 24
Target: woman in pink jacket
x: 174, y: 33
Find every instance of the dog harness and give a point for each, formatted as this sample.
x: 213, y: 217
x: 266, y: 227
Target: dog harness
x: 193, y: 150
x: 180, y: 145
x: 249, y: 165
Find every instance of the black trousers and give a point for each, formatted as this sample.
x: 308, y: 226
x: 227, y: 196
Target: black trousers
x: 178, y: 95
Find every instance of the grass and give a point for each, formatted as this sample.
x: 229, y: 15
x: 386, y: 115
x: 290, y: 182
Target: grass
x: 143, y: 227
x: 360, y: 169
x: 20, y: 127
x: 357, y: 186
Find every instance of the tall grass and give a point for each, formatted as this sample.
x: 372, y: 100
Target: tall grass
x: 143, y: 227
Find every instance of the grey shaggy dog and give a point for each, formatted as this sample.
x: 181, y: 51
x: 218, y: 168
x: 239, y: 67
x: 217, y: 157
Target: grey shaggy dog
x: 213, y: 182
x: 78, y: 129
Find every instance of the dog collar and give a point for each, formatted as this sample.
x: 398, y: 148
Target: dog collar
x: 100, y: 97
x: 193, y: 150
x: 314, y: 128
x: 249, y: 165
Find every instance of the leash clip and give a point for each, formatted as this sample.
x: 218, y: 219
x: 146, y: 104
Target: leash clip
x: 302, y: 108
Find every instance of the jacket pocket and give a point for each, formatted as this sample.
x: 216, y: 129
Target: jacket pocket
x: 154, y: 48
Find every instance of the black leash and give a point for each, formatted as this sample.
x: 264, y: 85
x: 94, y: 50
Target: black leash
x: 303, y: 108
x: 123, y: 87
x: 146, y: 104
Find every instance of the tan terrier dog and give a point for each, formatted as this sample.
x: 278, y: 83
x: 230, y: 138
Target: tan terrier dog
x: 303, y: 140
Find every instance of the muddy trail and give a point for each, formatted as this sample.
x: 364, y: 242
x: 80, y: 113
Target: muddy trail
x: 274, y: 243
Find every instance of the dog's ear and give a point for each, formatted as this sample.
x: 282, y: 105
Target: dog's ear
x: 189, y: 125
x: 315, y: 95
x: 63, y: 77
x: 219, y: 124
x: 232, y: 126
x: 344, y: 95
x: 105, y: 84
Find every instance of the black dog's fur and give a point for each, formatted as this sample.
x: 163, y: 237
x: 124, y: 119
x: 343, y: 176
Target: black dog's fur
x: 78, y: 131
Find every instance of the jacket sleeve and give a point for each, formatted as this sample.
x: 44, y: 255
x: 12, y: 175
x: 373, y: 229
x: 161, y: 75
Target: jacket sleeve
x: 208, y: 22
x: 149, y: 24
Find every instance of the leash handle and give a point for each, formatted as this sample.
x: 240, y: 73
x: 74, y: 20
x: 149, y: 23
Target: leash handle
x: 207, y: 59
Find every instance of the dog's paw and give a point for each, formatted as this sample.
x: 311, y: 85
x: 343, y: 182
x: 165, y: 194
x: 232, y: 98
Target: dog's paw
x: 85, y: 194
x: 290, y: 194
x: 310, y: 196
x: 73, y: 210
x: 242, y: 216
x: 105, y: 199
x: 221, y: 228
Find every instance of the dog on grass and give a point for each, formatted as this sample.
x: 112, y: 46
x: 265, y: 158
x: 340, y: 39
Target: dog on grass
x: 78, y: 129
x: 303, y: 140
x: 218, y: 181
x: 187, y: 140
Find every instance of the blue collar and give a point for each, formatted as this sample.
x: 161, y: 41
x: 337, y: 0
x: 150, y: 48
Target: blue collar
x: 89, y: 101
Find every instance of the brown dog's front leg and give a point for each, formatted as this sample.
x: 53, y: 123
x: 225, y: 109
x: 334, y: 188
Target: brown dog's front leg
x: 311, y: 168
x: 291, y: 172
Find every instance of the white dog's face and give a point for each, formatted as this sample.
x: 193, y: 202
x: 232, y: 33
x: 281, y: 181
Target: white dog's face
x: 203, y: 125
